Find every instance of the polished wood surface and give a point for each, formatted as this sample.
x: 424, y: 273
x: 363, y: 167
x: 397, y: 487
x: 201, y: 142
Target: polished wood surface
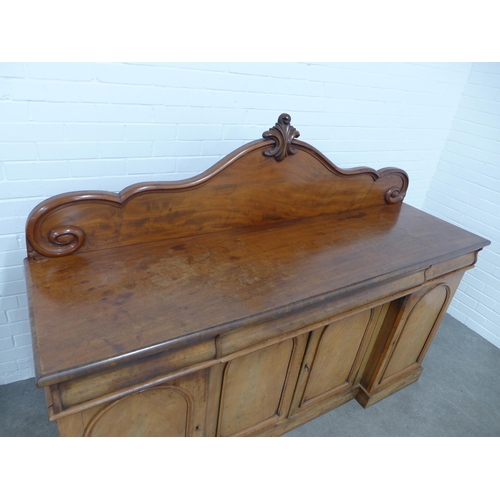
x: 244, y: 301
x: 247, y: 188
x: 201, y: 286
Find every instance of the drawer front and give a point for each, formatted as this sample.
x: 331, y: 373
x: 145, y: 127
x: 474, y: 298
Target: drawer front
x: 86, y: 388
x: 319, y: 313
x: 464, y: 261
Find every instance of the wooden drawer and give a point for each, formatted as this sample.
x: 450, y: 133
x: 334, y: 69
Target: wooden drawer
x: 464, y: 261
x: 86, y: 388
x: 320, y: 312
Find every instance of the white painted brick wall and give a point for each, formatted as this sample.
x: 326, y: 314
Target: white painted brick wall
x: 75, y: 126
x: 466, y: 191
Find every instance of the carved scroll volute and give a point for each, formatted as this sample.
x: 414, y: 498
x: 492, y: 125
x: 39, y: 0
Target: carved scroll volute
x: 60, y: 242
x: 395, y: 194
x: 63, y: 239
x: 282, y: 134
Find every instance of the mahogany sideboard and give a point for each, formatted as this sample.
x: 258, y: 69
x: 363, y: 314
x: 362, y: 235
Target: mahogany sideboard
x: 244, y: 301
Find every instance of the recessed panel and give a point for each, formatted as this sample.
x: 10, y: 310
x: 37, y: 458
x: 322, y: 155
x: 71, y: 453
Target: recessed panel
x: 416, y: 330
x: 161, y: 411
x: 252, y: 388
x: 336, y: 354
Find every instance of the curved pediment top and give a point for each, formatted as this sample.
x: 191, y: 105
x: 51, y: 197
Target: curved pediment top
x: 395, y: 194
x: 273, y: 179
x: 284, y: 135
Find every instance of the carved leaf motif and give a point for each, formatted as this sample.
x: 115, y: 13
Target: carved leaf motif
x: 282, y: 134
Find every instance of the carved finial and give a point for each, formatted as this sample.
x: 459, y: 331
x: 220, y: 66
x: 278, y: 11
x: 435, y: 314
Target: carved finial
x: 282, y: 134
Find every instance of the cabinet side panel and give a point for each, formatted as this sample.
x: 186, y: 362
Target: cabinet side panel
x: 252, y: 388
x: 417, y: 329
x: 398, y: 364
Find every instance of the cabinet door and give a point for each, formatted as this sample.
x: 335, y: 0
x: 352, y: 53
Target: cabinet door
x: 397, y: 363
x: 257, y: 388
x: 173, y: 409
x: 334, y: 354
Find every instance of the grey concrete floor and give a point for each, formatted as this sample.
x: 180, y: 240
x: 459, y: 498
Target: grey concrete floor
x: 458, y: 394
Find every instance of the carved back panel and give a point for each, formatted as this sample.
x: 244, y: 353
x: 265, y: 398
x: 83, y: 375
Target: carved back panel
x: 274, y: 179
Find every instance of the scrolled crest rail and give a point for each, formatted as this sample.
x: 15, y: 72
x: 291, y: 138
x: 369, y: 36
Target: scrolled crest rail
x: 267, y: 192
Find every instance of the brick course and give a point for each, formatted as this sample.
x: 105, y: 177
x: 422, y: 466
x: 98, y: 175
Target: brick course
x: 465, y: 191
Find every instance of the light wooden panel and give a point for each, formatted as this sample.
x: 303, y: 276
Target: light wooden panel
x: 416, y: 330
x: 336, y: 353
x: 162, y: 411
x: 252, y: 388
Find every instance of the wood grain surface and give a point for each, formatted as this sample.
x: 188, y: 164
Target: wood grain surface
x: 244, y: 301
x: 84, y: 305
x: 254, y: 185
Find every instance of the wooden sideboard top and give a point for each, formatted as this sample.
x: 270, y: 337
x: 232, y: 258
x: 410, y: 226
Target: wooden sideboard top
x: 269, y: 229
x: 104, y: 305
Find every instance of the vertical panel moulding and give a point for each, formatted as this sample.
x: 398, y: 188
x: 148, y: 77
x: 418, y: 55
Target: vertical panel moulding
x: 310, y: 351
x: 48, y: 397
x: 376, y: 321
x: 213, y: 390
x: 291, y: 374
x: 214, y: 394
x: 56, y: 398
x: 391, y: 319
